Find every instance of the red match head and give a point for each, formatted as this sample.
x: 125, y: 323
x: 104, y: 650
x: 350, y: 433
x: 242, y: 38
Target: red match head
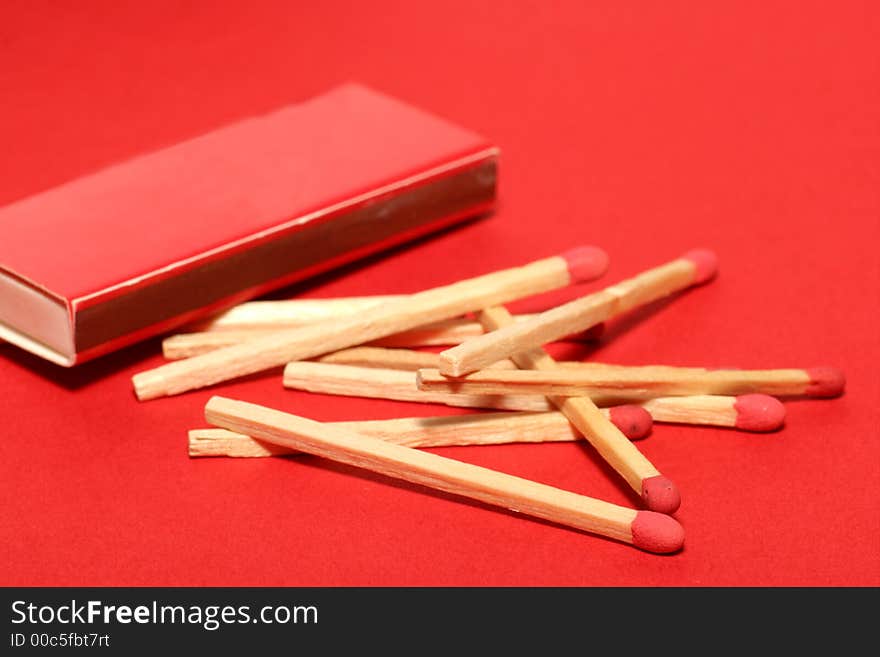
x: 825, y: 382
x: 632, y: 420
x: 660, y: 494
x: 585, y: 263
x: 706, y: 262
x: 758, y: 412
x: 657, y: 532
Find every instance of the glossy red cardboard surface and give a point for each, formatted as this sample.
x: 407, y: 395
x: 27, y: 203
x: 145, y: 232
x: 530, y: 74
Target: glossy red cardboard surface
x: 240, y: 183
x: 646, y: 129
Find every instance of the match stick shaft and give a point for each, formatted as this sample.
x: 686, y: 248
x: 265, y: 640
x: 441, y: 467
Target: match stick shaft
x: 289, y: 313
x: 338, y: 333
x: 380, y: 357
x: 441, y: 431
x: 706, y: 410
x: 571, y: 317
x: 292, y: 313
x: 582, y: 412
x: 446, y: 332
x: 424, y: 468
x: 783, y: 382
x: 621, y: 383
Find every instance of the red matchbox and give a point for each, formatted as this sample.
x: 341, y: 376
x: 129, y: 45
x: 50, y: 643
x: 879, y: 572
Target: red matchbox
x: 160, y: 240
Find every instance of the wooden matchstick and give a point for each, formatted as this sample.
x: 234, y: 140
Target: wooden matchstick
x: 400, y: 385
x: 657, y: 491
x: 628, y: 384
x: 457, y: 330
x: 440, y: 431
x: 693, y: 268
x: 370, y: 324
x: 222, y: 442
x: 813, y: 382
x: 289, y: 313
x: 650, y: 531
x: 751, y: 412
x: 447, y: 332
x: 392, y: 359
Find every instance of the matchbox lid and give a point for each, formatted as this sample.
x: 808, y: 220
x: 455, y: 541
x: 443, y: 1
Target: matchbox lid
x: 242, y: 182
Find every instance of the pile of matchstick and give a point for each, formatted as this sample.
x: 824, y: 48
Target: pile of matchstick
x: 493, y: 360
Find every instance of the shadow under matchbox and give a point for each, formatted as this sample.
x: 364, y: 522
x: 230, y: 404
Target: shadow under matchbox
x: 168, y: 237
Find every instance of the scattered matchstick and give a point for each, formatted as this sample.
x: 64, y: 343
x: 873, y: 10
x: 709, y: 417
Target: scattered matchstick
x: 630, y: 384
x: 440, y: 431
x: 392, y: 359
x: 289, y: 313
x: 292, y: 313
x: 658, y: 492
x: 400, y: 385
x: 814, y: 382
x: 457, y: 330
x: 447, y: 332
x: 647, y: 530
x: 694, y: 268
x: 751, y: 412
x: 578, y: 265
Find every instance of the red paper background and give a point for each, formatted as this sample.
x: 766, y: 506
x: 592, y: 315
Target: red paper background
x: 646, y: 128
